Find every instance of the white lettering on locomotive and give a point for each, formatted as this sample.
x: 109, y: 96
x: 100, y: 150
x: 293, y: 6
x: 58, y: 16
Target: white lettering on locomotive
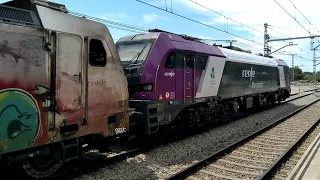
x: 120, y: 130
x: 248, y: 73
x: 256, y: 85
x: 170, y: 74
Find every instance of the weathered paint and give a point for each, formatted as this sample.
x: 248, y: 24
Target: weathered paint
x: 20, y: 119
x: 23, y: 62
x: 27, y: 115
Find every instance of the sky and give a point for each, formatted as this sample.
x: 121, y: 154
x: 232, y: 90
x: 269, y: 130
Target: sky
x: 245, y: 19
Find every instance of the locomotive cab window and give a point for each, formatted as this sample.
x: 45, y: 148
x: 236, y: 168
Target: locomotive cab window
x: 188, y: 62
x: 97, y: 53
x: 201, y: 61
x: 170, y: 61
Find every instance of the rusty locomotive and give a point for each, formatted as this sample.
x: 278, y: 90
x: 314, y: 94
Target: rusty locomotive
x: 61, y: 86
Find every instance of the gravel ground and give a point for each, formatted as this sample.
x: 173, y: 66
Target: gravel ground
x: 163, y: 161
x: 286, y: 169
x: 302, y: 87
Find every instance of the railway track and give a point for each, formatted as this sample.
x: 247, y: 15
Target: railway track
x: 120, y: 154
x: 293, y: 94
x: 258, y: 155
x: 298, y: 96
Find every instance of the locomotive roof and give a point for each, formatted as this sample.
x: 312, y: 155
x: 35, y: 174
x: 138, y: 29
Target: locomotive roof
x: 179, y: 42
x: 44, y: 14
x: 139, y: 37
x: 238, y: 56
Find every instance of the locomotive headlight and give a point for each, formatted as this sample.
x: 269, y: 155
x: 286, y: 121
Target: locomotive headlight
x: 146, y: 87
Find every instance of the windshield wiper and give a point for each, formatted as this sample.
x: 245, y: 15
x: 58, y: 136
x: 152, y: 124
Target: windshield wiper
x: 136, y: 56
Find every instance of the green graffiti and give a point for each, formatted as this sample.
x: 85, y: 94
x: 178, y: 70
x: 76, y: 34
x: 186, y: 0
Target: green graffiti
x: 19, y: 120
x: 212, y: 74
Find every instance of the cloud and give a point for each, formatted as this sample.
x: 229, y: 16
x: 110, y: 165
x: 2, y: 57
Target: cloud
x: 152, y: 17
x: 112, y: 16
x: 255, y: 13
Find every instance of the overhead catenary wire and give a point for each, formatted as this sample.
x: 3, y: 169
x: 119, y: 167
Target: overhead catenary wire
x: 279, y: 32
x: 277, y: 27
x: 290, y: 15
x: 137, y: 29
x: 112, y: 23
x: 286, y: 36
x: 226, y: 16
x: 304, y: 16
x: 288, y: 53
x: 126, y: 27
x: 293, y: 16
x: 225, y: 31
x: 233, y: 19
x: 198, y: 22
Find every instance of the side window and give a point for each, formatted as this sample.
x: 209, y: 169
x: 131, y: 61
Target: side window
x: 180, y: 58
x: 189, y: 62
x: 170, y: 61
x: 201, y: 61
x: 176, y: 60
x: 97, y: 53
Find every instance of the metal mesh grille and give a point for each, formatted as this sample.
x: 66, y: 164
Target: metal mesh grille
x: 11, y: 14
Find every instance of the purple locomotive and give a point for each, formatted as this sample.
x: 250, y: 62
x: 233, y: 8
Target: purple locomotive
x: 176, y: 77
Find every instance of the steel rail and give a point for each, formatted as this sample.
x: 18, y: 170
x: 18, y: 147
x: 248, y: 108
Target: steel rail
x: 269, y: 172
x: 286, y: 101
x: 304, y: 91
x: 211, y: 158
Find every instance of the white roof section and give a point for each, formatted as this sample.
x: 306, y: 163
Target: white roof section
x: 281, y: 62
x: 237, y: 56
x: 153, y: 35
x: 63, y: 22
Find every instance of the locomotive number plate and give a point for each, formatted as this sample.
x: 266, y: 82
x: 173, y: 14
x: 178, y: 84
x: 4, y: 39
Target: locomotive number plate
x: 120, y: 130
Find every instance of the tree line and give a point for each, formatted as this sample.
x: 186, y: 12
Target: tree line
x: 299, y: 75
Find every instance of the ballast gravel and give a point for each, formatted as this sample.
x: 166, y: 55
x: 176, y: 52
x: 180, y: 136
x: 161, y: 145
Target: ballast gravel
x: 166, y: 160
x: 297, y: 154
x: 300, y: 88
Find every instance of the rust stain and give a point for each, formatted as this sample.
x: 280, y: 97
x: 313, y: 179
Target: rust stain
x: 5, y: 49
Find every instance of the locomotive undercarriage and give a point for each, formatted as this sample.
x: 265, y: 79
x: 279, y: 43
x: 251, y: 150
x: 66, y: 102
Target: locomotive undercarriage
x: 217, y: 111
x: 43, y: 162
x: 158, y: 116
x: 149, y: 119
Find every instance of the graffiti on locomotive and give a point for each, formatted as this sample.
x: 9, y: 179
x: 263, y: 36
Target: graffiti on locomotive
x: 19, y: 119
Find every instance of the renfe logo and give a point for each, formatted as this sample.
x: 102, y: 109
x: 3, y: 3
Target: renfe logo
x: 171, y: 74
x: 248, y: 73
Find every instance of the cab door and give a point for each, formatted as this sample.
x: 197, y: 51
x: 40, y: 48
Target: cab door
x: 69, y: 94
x: 185, y: 76
x: 189, y: 76
x: 99, y: 77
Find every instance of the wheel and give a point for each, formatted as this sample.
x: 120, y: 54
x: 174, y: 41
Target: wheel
x: 197, y: 120
x: 43, y: 167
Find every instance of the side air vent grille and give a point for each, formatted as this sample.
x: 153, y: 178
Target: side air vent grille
x: 16, y: 16
x: 10, y: 14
